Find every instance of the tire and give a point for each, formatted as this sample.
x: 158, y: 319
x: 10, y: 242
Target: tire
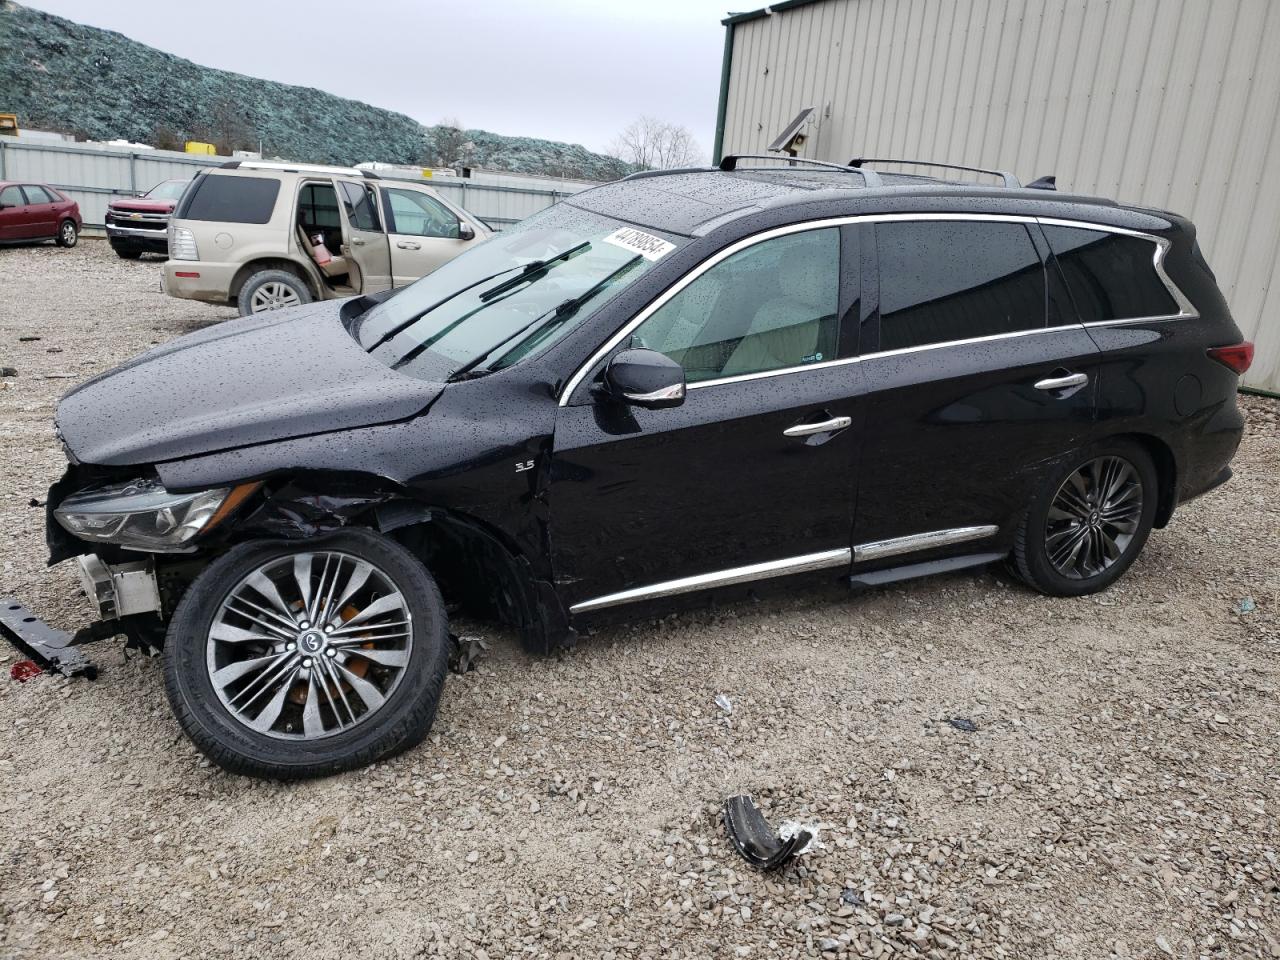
x: 1062, y: 560
x: 272, y: 290
x: 125, y: 253
x: 68, y: 233
x: 346, y: 730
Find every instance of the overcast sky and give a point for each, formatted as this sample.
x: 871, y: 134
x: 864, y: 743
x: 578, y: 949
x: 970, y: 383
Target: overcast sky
x: 572, y: 70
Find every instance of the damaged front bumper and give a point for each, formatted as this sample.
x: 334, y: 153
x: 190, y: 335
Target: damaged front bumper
x: 126, y: 597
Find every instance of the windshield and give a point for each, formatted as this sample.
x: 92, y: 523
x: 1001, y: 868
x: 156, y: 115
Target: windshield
x: 168, y: 190
x: 511, y: 296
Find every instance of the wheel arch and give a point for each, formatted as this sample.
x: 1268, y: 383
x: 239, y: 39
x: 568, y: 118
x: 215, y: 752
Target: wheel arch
x: 1166, y: 472
x: 273, y: 263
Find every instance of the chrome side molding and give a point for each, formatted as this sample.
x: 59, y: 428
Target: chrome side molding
x: 721, y: 578
x: 879, y: 549
x: 783, y: 568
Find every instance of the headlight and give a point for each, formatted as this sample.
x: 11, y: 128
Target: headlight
x: 182, y: 244
x: 140, y: 514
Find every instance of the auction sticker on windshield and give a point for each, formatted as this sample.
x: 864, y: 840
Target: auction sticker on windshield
x: 637, y: 241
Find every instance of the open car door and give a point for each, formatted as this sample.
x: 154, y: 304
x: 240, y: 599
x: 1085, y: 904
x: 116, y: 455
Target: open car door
x: 364, y: 240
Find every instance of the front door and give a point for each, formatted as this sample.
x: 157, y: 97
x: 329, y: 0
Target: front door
x: 751, y: 477
x: 16, y: 217
x: 424, y: 233
x: 365, y: 242
x: 981, y: 377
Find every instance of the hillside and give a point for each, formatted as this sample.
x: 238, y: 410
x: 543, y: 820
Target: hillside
x: 100, y: 85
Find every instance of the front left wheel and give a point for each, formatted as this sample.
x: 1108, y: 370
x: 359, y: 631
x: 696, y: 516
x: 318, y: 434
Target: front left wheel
x: 302, y: 659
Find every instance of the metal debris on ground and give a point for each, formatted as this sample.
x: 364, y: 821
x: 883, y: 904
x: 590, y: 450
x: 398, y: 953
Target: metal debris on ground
x: 465, y: 653
x: 963, y: 723
x: 724, y: 703
x: 759, y: 845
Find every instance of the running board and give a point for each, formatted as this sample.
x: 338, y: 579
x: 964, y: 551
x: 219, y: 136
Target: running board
x: 910, y: 571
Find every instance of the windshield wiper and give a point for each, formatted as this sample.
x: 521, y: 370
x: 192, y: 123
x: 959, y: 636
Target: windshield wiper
x: 563, y: 311
x: 529, y: 269
x: 401, y: 327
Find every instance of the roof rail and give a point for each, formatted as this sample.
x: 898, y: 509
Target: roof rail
x: 869, y: 177
x: 286, y: 167
x: 1009, y: 179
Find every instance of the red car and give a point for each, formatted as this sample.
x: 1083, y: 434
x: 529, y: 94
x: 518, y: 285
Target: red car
x: 35, y: 211
x: 139, y: 224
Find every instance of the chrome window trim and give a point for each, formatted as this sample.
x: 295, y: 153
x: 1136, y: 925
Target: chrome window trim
x: 1185, y: 308
x: 720, y: 578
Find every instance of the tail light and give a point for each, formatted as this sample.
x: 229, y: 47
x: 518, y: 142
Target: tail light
x: 182, y: 244
x: 1238, y: 356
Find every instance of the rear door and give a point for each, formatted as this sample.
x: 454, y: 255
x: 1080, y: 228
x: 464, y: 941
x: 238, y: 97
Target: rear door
x: 751, y: 477
x: 365, y: 240
x: 41, y: 208
x: 423, y: 233
x: 978, y: 375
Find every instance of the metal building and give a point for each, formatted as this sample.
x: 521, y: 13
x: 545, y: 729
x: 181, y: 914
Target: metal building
x: 1167, y: 103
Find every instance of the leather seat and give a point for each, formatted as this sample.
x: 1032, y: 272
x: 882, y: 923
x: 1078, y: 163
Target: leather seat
x: 336, y: 267
x: 787, y: 330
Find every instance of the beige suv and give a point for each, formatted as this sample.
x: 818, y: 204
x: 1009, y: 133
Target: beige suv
x: 270, y: 235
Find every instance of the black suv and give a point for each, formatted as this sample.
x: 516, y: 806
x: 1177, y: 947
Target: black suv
x: 677, y: 382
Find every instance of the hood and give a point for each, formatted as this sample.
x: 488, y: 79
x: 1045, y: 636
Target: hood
x: 142, y: 205
x: 278, y: 375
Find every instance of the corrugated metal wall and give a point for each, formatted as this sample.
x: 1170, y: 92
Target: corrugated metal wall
x: 92, y: 174
x: 1168, y: 103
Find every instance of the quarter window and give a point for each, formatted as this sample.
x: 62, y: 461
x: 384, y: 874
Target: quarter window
x: 1112, y: 276
x: 944, y: 280
x: 414, y: 214
x: 768, y: 307
x: 231, y: 199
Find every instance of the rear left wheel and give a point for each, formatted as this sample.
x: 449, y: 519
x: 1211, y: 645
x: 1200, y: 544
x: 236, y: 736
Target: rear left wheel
x: 293, y: 660
x: 67, y: 234
x: 1090, y: 522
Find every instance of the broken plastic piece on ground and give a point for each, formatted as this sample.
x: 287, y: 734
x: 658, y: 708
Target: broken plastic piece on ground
x: 50, y: 649
x: 466, y: 651
x: 963, y: 723
x: 24, y: 670
x: 1246, y: 605
x: 755, y: 839
x: 724, y: 703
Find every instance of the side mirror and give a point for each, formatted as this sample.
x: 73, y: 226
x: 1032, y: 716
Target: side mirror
x: 466, y: 231
x: 644, y: 378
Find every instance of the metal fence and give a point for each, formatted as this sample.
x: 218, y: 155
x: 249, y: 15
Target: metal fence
x: 92, y: 174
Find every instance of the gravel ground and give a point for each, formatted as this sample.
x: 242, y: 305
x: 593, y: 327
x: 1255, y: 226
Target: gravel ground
x: 1118, y: 797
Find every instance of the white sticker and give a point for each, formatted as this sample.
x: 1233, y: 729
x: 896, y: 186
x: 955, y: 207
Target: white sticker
x: 637, y: 241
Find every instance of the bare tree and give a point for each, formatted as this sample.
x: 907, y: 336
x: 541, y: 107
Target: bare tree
x: 656, y: 145
x: 452, y: 148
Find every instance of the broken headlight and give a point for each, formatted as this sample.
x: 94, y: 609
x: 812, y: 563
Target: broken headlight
x: 140, y: 514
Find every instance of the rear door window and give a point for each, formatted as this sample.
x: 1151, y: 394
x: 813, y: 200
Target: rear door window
x: 224, y: 199
x: 37, y: 194
x: 945, y: 280
x: 1112, y: 276
x: 362, y: 205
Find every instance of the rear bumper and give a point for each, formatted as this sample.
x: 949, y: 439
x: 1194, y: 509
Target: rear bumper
x: 199, y: 280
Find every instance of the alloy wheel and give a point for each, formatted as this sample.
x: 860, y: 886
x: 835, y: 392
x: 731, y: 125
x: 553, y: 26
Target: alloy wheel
x: 273, y: 295
x: 68, y: 233
x: 309, y: 645
x: 1093, y: 517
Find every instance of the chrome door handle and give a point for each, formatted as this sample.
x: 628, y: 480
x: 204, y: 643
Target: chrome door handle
x: 357, y: 242
x: 408, y: 245
x: 826, y: 426
x: 1058, y: 383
